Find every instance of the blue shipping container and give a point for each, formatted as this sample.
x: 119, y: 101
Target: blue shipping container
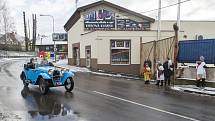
x: 191, y: 50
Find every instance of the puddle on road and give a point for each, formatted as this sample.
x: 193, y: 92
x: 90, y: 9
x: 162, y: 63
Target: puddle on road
x: 46, y: 107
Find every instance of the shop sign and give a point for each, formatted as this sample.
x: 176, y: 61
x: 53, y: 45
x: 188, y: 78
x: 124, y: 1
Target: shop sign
x: 127, y: 24
x: 99, y: 24
x: 59, y: 36
x: 99, y: 19
x: 104, y: 19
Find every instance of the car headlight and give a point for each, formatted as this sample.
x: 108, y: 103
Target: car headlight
x: 50, y: 71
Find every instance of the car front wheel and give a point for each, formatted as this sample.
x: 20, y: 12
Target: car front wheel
x: 69, y: 84
x: 43, y: 86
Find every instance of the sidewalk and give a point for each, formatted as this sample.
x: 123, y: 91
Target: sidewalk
x: 182, y: 88
x: 193, y: 89
x: 64, y: 63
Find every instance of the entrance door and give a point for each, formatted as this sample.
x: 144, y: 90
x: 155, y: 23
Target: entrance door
x: 77, y: 57
x: 88, y: 56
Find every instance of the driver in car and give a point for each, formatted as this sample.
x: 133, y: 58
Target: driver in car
x: 31, y: 64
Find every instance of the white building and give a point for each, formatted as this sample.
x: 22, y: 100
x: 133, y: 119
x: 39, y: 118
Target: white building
x: 105, y: 36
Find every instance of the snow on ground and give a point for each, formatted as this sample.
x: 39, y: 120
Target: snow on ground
x: 194, y: 79
x: 64, y: 63
x: 8, y: 116
x: 16, y: 53
x: 9, y: 59
x: 194, y: 89
x: 115, y: 75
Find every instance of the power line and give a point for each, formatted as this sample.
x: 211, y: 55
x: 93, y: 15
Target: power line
x: 165, y: 6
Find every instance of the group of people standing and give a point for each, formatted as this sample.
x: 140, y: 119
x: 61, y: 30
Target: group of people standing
x: 163, y: 72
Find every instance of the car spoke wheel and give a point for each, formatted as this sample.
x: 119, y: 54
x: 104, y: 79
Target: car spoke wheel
x: 43, y: 86
x: 69, y: 84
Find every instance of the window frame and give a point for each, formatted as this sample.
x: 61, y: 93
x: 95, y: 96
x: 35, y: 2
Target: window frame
x: 118, y: 48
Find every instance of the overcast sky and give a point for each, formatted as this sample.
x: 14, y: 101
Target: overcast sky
x: 63, y: 9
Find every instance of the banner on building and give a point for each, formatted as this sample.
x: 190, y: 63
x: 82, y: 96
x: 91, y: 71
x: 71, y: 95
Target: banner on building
x: 104, y: 19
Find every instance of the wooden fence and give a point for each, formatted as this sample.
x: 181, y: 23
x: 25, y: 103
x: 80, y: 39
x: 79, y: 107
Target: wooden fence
x: 156, y: 51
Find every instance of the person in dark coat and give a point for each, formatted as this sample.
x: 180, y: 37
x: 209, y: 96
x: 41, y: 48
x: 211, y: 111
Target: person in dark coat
x: 31, y: 64
x: 168, y: 71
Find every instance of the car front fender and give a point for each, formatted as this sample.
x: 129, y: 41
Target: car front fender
x: 66, y: 75
x: 45, y: 76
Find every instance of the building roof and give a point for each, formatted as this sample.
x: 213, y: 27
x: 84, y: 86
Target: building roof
x: 76, y: 16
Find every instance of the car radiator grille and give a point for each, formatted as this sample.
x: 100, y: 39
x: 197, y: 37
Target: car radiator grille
x: 56, y: 75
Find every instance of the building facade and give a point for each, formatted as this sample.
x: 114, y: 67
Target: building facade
x: 46, y: 44
x: 105, y: 36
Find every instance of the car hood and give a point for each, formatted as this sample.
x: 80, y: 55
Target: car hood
x: 46, y: 68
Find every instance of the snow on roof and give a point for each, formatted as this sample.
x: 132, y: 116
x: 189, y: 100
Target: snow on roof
x: 47, y: 40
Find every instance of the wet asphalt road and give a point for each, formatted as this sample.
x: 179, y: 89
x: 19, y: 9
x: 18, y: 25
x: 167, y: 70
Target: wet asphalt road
x: 97, y: 98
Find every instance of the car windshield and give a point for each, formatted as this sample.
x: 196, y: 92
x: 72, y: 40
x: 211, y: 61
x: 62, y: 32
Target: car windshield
x: 42, y: 62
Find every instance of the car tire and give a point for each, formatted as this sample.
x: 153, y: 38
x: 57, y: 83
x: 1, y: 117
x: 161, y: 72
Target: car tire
x: 69, y: 84
x: 23, y: 78
x: 43, y: 86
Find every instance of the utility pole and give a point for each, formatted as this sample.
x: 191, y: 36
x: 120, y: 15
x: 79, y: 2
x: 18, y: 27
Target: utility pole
x: 159, y: 20
x: 178, y: 15
x: 175, y: 27
x: 29, y: 32
x: 25, y: 31
x: 158, y: 28
x: 34, y: 31
x: 158, y: 35
x: 55, y: 48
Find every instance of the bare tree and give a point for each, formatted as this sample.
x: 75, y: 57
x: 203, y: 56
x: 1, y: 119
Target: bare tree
x: 7, y: 24
x: 2, y: 5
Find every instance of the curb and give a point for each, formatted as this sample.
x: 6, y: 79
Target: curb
x: 195, y: 90
x: 115, y: 75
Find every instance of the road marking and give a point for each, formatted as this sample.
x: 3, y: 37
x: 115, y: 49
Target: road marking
x: 146, y: 106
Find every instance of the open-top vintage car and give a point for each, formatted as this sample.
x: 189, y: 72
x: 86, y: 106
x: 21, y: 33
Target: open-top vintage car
x: 47, y: 75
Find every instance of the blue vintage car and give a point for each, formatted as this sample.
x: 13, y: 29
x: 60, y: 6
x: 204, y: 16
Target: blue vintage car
x: 46, y: 76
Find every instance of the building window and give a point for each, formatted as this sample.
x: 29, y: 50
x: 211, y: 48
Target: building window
x: 120, y: 52
x: 47, y: 48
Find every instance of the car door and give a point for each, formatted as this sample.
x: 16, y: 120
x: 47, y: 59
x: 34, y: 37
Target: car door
x: 32, y: 75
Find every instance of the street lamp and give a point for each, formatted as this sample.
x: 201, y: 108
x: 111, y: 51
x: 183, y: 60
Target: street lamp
x: 52, y: 35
